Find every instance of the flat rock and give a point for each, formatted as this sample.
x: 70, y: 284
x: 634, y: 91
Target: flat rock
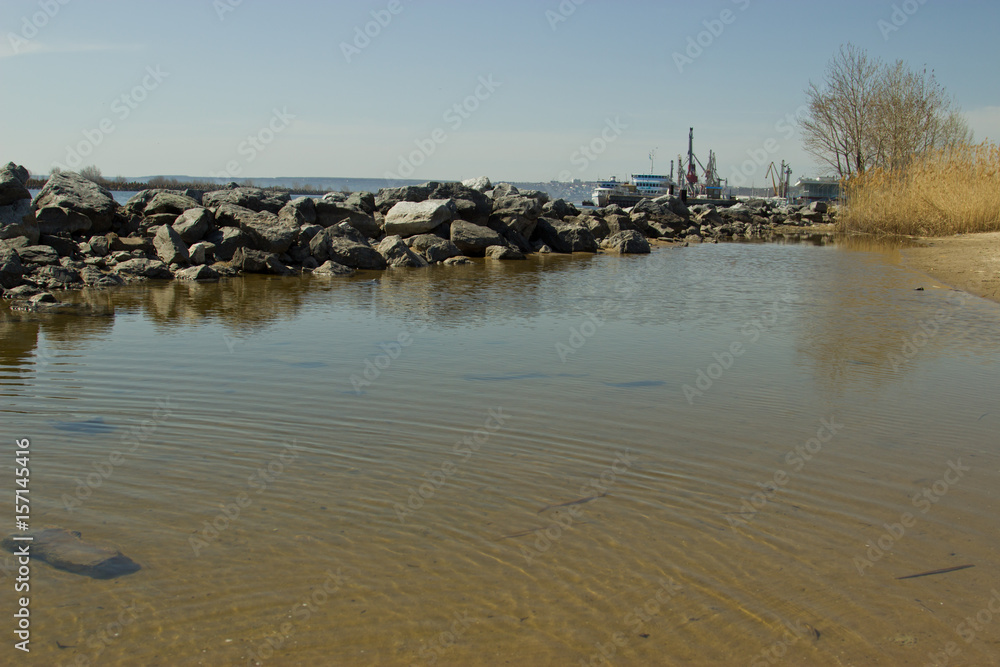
x: 66, y: 550
x: 140, y: 267
x: 200, y: 273
x: 38, y: 254
x: 410, y: 218
x: 473, y: 239
x: 249, y: 260
x: 254, y: 199
x: 331, y: 268
x: 503, y: 252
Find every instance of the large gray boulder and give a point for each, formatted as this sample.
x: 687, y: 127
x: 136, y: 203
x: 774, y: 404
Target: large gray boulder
x: 469, y: 204
x: 386, y: 198
x: 575, y: 237
x: 345, y: 245
x: 472, y: 239
x: 627, y: 242
x: 398, y: 255
x: 265, y: 230
x: 13, y: 184
x: 481, y: 184
x: 503, y: 252
x: 70, y: 191
x: 432, y: 247
x: 201, y: 273
x: 170, y: 247
x: 411, y: 218
x: 331, y: 268
x: 330, y: 212
x: 166, y: 201
x: 301, y: 211
x: 18, y: 219
x: 38, y: 254
x: 141, y: 267
x: 254, y: 199
x: 10, y: 268
x: 528, y: 207
x: 226, y: 241
x: 249, y: 260
x: 193, y: 224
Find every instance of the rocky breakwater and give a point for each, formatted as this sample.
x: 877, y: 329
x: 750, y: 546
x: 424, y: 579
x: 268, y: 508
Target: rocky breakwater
x: 73, y: 234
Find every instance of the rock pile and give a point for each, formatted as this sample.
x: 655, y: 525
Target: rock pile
x: 74, y: 234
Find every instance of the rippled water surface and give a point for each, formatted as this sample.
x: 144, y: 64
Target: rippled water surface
x: 695, y: 457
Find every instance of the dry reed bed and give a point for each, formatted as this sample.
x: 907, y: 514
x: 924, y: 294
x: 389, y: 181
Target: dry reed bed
x: 947, y: 192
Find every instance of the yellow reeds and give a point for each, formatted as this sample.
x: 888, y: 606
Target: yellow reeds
x: 955, y: 191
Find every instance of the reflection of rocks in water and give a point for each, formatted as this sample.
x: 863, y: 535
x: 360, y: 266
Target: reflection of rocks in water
x: 20, y: 338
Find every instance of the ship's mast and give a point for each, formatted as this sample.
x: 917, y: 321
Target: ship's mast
x: 692, y: 170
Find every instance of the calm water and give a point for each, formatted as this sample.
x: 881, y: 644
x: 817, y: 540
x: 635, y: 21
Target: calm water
x: 389, y: 462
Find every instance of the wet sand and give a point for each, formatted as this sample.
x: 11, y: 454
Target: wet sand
x: 970, y: 262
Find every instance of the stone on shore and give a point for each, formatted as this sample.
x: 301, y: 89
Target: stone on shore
x: 13, y: 184
x: 202, y: 273
x: 254, y: 199
x: 249, y: 260
x: 11, y: 268
x: 65, y: 550
x: 410, y: 218
x: 627, y: 242
x: 472, y: 239
x: 398, y: 255
x: 18, y: 219
x: 193, y: 224
x: 169, y: 246
x: 70, y: 191
x: 503, y: 252
x: 140, y: 267
x: 331, y: 268
x: 481, y: 184
x: 346, y: 245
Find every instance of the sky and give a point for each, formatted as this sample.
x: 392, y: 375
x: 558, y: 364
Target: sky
x: 517, y: 91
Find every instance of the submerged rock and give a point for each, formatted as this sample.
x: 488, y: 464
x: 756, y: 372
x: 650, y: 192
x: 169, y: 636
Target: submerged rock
x: 65, y: 550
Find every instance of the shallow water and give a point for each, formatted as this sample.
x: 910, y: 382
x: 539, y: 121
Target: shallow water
x: 740, y: 423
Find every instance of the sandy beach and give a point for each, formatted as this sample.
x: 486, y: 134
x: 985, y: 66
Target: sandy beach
x: 970, y: 262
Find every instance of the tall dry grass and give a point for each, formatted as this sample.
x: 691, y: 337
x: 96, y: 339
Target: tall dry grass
x: 947, y: 192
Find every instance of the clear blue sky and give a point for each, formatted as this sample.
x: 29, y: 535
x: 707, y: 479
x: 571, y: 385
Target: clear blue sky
x: 609, y: 68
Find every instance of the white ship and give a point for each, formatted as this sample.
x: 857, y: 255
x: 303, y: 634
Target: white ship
x: 630, y: 193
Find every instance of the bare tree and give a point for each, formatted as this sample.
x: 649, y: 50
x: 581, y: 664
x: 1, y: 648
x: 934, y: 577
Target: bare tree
x: 92, y: 173
x: 868, y: 114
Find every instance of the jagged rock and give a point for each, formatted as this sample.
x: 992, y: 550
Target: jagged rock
x: 202, y: 252
x: 363, y: 201
x: 330, y: 213
x: 346, y: 245
x: 200, y: 273
x: 546, y: 233
x: 254, y: 199
x: 503, y: 252
x: 560, y: 209
x: 597, y: 226
x: 468, y: 204
x: 709, y: 216
x: 93, y: 277
x: 576, y: 237
x: 11, y: 268
x: 481, y: 184
x: 249, y: 260
x: 519, y: 223
x: 99, y: 246
x: 65, y: 550
x: 386, y: 198
x: 193, y: 224
x: 64, y: 245
x: 165, y: 201
x: 473, y: 239
x: 263, y: 228
x: 141, y: 267
x: 528, y: 207
x: 227, y: 241
x: 13, y: 184
x: 70, y: 191
x: 398, y: 255
x: 410, y: 218
x: 627, y: 242
x: 331, y: 268
x: 55, y: 277
x: 18, y: 219
x: 818, y: 207
x: 57, y: 220
x: 298, y: 212
x: 618, y: 222
x: 169, y: 246
x: 434, y: 248
x: 38, y: 254
x: 503, y: 190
